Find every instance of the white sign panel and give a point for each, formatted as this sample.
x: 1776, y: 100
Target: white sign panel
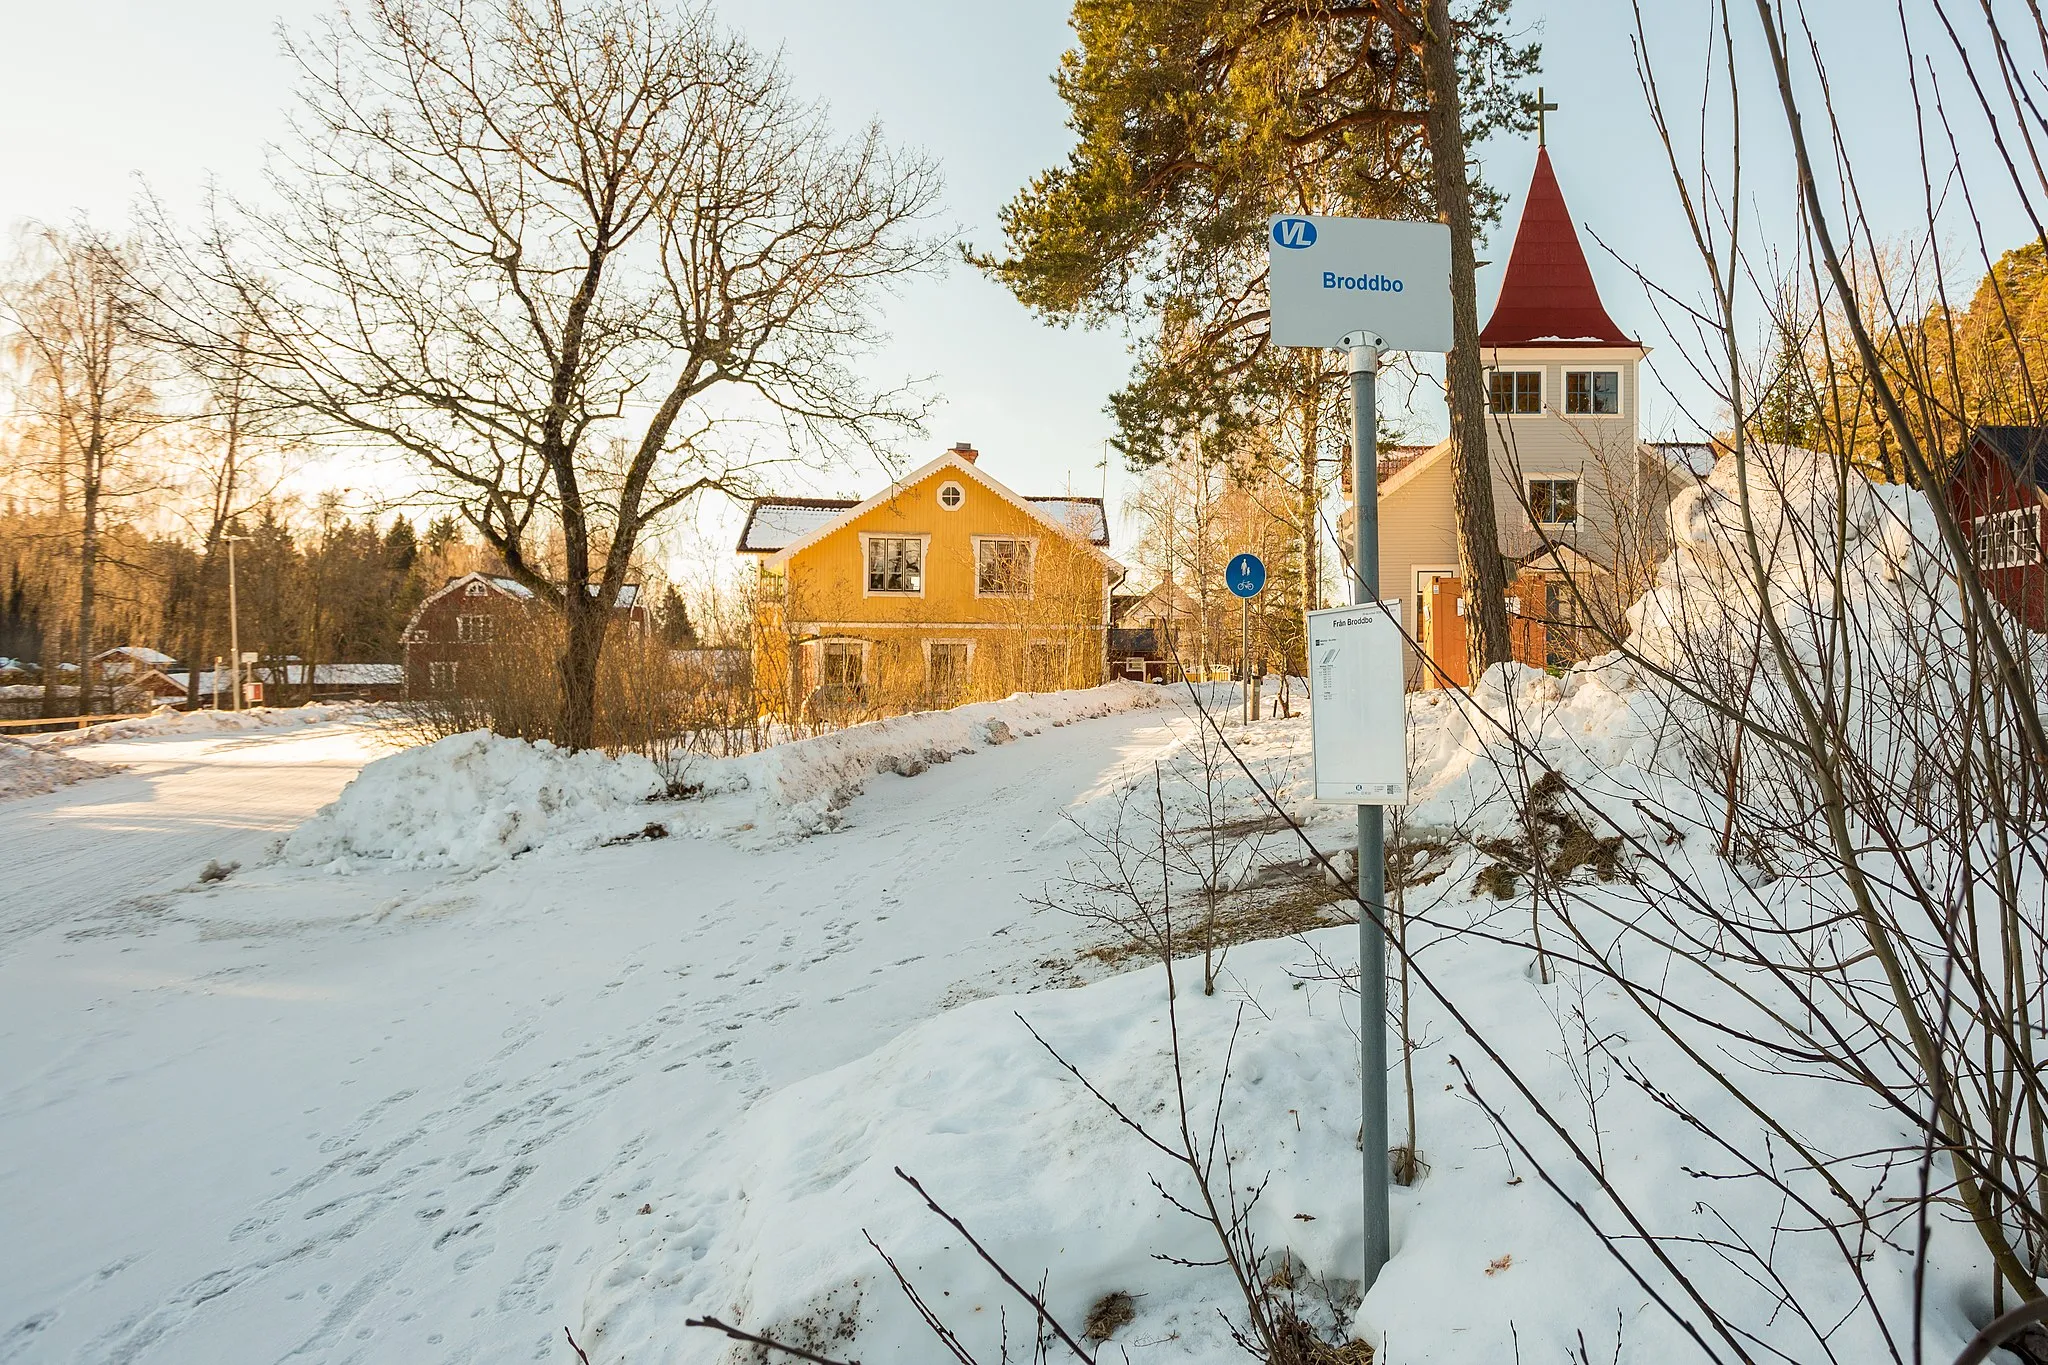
x: 1358, y: 706
x: 1329, y: 276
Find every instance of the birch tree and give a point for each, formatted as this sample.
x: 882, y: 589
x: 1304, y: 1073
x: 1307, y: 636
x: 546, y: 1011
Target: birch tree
x: 84, y: 380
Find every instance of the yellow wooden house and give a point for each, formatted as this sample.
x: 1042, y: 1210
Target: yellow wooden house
x: 944, y: 587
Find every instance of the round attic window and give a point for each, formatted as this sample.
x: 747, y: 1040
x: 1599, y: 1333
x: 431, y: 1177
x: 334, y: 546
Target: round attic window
x: 951, y: 495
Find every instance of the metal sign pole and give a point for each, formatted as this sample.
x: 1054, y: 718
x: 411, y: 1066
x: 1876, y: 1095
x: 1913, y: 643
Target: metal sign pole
x: 1364, y: 350
x: 1245, y: 660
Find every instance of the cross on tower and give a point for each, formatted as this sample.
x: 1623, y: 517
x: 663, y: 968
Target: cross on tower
x: 1541, y: 109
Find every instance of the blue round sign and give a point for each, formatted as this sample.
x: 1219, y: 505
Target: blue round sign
x: 1246, y: 575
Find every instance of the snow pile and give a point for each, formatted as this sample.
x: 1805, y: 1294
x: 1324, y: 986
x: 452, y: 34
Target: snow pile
x: 1488, y: 1262
x: 29, y: 770
x: 472, y: 800
x: 1006, y: 1140
x: 801, y: 787
x: 476, y: 799
x: 193, y: 723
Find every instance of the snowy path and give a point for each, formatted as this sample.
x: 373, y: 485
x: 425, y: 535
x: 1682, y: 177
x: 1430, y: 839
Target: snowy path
x: 390, y: 1117
x: 78, y: 853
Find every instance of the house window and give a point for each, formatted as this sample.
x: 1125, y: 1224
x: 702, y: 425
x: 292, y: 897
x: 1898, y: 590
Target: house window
x: 951, y: 495
x: 441, y: 676
x: 473, y: 630
x: 1554, y: 502
x: 1516, y: 392
x: 945, y: 668
x: 1002, y: 568
x: 2007, y: 540
x: 1592, y: 393
x: 896, y: 564
x: 839, y: 664
x: 475, y: 590
x: 1045, y: 666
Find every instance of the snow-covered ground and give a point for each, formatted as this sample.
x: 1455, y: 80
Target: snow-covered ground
x: 496, y: 1046
x: 406, y: 1114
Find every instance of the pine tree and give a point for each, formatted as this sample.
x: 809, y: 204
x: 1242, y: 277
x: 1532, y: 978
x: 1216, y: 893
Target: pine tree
x: 676, y: 630
x: 1197, y: 120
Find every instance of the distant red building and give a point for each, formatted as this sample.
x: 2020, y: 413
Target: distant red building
x: 459, y: 622
x: 1998, y: 487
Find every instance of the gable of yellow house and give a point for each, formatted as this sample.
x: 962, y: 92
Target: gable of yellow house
x: 945, y: 587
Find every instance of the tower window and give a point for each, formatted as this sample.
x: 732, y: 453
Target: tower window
x: 1517, y: 392
x: 1592, y: 393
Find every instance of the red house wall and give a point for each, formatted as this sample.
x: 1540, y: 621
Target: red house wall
x: 1984, y: 482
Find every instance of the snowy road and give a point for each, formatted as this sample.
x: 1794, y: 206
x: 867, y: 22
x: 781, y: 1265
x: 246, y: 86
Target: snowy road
x: 76, y: 855
x: 399, y: 1116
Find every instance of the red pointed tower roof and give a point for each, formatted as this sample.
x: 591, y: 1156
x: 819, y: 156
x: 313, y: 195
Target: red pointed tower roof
x: 1547, y: 297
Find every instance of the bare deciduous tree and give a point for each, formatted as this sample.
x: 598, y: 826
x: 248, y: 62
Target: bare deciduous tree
x: 85, y: 379
x: 579, y: 264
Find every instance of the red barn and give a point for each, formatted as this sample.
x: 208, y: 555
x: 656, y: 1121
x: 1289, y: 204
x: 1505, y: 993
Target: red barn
x: 461, y: 619
x: 1998, y: 487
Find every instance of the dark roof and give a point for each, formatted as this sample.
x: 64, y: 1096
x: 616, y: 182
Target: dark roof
x: 2024, y: 448
x: 1547, y: 297
x: 1134, y: 643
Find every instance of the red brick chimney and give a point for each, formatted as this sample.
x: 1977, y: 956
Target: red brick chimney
x: 965, y: 450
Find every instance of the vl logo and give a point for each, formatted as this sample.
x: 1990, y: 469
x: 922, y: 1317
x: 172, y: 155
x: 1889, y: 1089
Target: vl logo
x: 1294, y: 233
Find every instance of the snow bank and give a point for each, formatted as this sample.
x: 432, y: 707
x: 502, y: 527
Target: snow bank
x: 170, y: 722
x: 1488, y: 1263
x: 800, y: 788
x: 471, y: 800
x: 476, y: 799
x: 29, y: 770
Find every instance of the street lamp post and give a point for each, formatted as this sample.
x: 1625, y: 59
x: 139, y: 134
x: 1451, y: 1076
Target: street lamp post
x: 234, y: 620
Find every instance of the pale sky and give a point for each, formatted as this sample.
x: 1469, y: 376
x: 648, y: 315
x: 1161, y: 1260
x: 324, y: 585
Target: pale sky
x: 99, y: 94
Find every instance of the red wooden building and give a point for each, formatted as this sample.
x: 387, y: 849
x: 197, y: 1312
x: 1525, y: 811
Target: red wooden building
x: 460, y: 621
x: 1998, y: 487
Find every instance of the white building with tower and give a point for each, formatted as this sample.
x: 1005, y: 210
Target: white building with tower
x: 1577, y: 492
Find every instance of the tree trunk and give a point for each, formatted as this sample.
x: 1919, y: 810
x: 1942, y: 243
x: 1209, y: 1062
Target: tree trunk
x: 195, y: 638
x: 582, y: 647
x: 1479, y: 559
x: 88, y: 556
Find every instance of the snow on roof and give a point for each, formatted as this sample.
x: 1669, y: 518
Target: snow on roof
x: 1693, y: 457
x: 1084, y: 515
x: 774, y: 522
x: 515, y: 587
x: 142, y: 654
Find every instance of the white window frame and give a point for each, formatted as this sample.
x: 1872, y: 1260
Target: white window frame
x: 476, y: 590
x: 924, y: 555
x: 464, y: 634
x: 967, y: 667
x: 951, y: 486
x: 1061, y: 654
x: 817, y: 648
x: 434, y: 670
x: 1620, y: 401
x: 1578, y: 509
x: 1542, y: 374
x: 1998, y: 540
x: 1031, y: 569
